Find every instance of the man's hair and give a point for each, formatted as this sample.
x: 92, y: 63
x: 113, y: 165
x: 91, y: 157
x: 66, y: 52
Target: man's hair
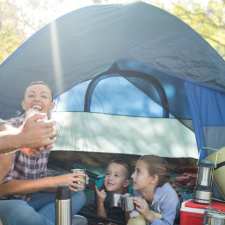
x: 156, y: 166
x: 41, y: 83
x: 124, y: 164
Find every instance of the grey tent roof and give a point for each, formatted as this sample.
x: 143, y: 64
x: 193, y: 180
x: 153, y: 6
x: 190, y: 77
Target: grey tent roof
x: 86, y: 42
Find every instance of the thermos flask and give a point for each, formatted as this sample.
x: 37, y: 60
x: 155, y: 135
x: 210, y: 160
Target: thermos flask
x: 63, y: 208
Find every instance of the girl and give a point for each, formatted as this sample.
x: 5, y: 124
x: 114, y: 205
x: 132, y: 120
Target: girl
x: 156, y: 200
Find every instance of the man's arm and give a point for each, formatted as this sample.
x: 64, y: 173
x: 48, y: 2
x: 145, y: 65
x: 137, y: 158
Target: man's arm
x: 33, y: 134
x: 10, y: 140
x: 29, y: 186
x: 5, y: 164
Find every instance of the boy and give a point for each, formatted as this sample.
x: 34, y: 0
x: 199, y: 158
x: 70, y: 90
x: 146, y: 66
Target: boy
x: 116, y: 181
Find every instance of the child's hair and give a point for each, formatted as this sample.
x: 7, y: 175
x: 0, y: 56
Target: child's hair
x: 41, y: 83
x: 124, y: 164
x: 156, y: 166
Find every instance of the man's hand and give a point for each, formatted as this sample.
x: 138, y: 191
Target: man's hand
x: 72, y: 180
x: 36, y: 133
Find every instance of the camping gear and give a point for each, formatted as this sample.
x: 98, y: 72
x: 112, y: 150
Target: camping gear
x: 63, y: 210
x: 94, y: 132
x: 193, y: 213
x: 115, y: 200
x: 218, y: 158
x: 82, y: 175
x: 124, y: 201
x: 128, y: 203
x: 203, y: 189
x: 136, y: 218
x: 149, y: 49
x: 214, y: 217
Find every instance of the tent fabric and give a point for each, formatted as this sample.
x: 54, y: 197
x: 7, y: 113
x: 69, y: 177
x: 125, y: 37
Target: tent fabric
x: 113, y: 95
x: 208, y: 116
x: 137, y: 42
x: 86, y: 42
x: 173, y: 87
x: 122, y: 135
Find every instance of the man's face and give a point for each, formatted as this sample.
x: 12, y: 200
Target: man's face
x: 38, y: 96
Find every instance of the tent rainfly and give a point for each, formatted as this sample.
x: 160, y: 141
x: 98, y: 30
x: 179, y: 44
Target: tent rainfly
x: 147, y: 47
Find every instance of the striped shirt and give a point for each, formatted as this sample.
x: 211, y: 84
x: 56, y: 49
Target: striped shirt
x: 27, y: 167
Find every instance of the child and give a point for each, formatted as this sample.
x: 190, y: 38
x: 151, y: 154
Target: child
x: 28, y: 173
x: 116, y: 181
x: 156, y: 200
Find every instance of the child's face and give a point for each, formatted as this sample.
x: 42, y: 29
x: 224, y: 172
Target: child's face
x: 142, y: 180
x: 115, y: 178
x: 38, y: 96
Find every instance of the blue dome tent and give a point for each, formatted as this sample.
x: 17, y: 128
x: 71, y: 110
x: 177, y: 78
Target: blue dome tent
x: 137, y: 45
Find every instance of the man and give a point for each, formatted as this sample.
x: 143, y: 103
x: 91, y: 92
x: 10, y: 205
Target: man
x: 27, y: 177
x: 34, y: 133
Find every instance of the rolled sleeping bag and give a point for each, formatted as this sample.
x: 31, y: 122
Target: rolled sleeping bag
x: 218, y: 158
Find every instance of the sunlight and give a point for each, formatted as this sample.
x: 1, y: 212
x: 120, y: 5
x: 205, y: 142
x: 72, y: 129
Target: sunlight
x: 56, y: 57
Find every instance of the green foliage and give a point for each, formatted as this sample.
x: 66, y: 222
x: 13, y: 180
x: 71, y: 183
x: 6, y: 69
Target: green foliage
x: 209, y: 22
x: 20, y: 18
x: 11, y: 35
x: 10, y: 40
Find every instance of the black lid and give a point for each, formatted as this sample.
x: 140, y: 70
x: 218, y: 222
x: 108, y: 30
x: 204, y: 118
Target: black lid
x: 63, y: 192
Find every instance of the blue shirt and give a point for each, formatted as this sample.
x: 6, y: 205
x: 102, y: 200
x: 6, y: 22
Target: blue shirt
x: 166, y: 202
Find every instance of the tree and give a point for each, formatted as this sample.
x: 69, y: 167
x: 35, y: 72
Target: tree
x: 21, y: 18
x: 208, y: 22
x: 10, y: 34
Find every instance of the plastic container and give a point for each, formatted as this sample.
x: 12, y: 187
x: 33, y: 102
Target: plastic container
x: 192, y: 213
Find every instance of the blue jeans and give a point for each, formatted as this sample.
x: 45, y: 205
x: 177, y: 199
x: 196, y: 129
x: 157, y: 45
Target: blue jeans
x: 40, y: 210
x: 18, y: 212
x: 44, y: 203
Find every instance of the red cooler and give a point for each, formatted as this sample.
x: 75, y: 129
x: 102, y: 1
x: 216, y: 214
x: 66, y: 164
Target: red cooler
x: 192, y: 213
